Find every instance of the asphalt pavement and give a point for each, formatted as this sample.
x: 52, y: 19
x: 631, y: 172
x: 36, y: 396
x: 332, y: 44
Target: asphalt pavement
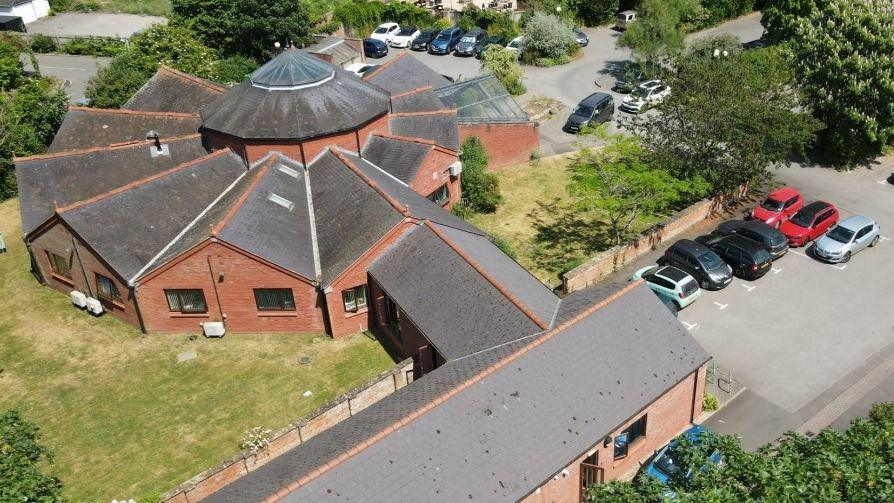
x: 93, y: 24
x: 74, y: 72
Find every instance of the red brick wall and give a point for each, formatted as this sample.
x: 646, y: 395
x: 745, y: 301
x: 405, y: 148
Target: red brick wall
x: 379, y: 125
x: 434, y: 173
x: 241, y: 275
x: 57, y: 239
x: 506, y: 144
x: 668, y: 416
x: 342, y: 322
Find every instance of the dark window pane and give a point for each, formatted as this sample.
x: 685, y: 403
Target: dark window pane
x: 186, y: 301
x: 106, y: 289
x: 274, y: 299
x: 59, y: 265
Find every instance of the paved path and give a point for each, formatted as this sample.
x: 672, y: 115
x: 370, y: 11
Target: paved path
x: 96, y: 24
x: 73, y: 71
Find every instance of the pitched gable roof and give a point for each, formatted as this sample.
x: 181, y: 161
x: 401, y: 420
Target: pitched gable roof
x: 49, y: 181
x: 400, y: 158
x: 489, y: 405
x: 405, y: 73
x: 129, y: 226
x: 417, y: 100
x: 440, y: 126
x: 170, y: 90
x: 96, y: 127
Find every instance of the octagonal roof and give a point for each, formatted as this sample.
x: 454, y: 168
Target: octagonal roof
x: 291, y: 69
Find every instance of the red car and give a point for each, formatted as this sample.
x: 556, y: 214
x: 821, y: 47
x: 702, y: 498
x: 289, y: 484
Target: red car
x: 811, y: 222
x: 779, y: 206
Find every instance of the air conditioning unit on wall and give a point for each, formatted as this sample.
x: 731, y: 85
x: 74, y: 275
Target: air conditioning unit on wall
x: 214, y: 329
x: 94, y: 306
x: 456, y: 168
x: 78, y: 299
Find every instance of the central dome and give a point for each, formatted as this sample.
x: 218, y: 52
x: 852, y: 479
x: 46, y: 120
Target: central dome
x: 291, y: 69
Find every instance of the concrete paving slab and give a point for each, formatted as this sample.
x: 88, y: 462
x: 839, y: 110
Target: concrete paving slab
x: 93, y: 24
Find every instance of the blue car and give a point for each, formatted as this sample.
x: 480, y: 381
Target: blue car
x: 666, y: 462
x: 373, y: 48
x: 446, y: 41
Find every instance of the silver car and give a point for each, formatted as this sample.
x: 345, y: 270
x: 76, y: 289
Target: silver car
x: 847, y: 238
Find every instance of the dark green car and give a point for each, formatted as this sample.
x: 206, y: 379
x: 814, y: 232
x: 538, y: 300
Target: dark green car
x: 634, y: 74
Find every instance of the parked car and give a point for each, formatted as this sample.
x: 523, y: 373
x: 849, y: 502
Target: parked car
x: 711, y: 272
x: 374, y: 48
x: 747, y: 257
x: 580, y: 37
x: 385, y: 32
x: 634, y: 74
x: 809, y: 223
x: 646, y: 95
x: 403, y: 38
x: 361, y: 69
x: 666, y: 463
x: 624, y: 19
x: 772, y: 240
x: 516, y: 44
x: 779, y: 206
x: 670, y: 283
x: 847, y: 238
x: 493, y: 40
x: 471, y: 43
x: 594, y: 109
x: 445, y: 41
x: 421, y: 42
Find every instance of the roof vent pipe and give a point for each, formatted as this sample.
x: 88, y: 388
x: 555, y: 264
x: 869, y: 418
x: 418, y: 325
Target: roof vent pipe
x: 159, y: 149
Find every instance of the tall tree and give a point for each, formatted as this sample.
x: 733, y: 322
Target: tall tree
x: 21, y: 459
x: 246, y: 27
x: 844, y: 64
x: 593, y: 12
x: 781, y: 17
x: 659, y: 30
x: 727, y: 119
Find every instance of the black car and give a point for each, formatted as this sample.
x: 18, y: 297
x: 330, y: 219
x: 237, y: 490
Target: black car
x: 711, y: 272
x: 373, y: 48
x: 496, y: 40
x: 472, y: 43
x: 772, y: 240
x: 594, y: 109
x: 747, y: 257
x: 580, y: 37
x: 445, y: 41
x: 421, y: 42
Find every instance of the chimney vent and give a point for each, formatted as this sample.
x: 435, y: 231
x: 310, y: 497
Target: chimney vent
x: 158, y: 149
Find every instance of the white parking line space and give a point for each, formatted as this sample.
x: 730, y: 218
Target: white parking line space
x: 882, y: 181
x: 747, y: 287
x: 883, y: 238
x: 796, y: 252
x: 776, y: 270
x: 689, y: 326
x: 721, y: 306
x: 840, y: 267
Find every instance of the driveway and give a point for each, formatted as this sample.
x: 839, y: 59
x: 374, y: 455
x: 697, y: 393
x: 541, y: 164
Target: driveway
x: 93, y: 24
x: 73, y: 71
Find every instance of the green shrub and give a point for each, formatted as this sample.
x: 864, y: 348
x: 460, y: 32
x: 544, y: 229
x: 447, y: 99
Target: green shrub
x: 504, y: 246
x: 116, y: 83
x: 504, y: 65
x: 87, y: 6
x: 570, y: 266
x: 710, y: 403
x: 11, y: 72
x: 94, y: 46
x: 495, y: 23
x: 547, y: 36
x: 21, y: 465
x: 43, y: 44
x: 61, y: 5
x: 234, y: 69
x: 480, y: 188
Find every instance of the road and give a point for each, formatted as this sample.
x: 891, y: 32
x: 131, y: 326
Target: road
x: 73, y: 71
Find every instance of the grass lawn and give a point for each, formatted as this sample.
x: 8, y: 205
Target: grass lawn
x: 124, y: 419
x: 538, y: 220
x: 148, y: 7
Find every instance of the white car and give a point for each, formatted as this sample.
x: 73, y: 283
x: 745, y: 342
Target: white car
x: 361, y: 69
x: 515, y: 45
x: 404, y: 37
x: 645, y: 95
x: 385, y: 32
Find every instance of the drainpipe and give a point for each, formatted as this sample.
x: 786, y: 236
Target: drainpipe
x: 223, y: 317
x: 74, y: 246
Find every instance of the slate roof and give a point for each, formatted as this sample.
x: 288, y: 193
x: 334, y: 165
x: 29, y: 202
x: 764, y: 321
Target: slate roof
x: 322, y: 107
x: 438, y: 126
x: 576, y: 302
x: 338, y: 49
x: 96, y: 127
x: 48, y: 181
x: 131, y: 225
x: 400, y: 158
x: 481, y: 100
x: 432, y: 283
x: 269, y: 230
x: 478, y: 433
x: 416, y: 101
x: 405, y: 73
x: 170, y: 90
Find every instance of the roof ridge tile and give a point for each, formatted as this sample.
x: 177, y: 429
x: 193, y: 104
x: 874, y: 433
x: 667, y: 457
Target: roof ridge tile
x: 442, y: 111
x: 262, y: 169
x: 412, y: 91
x: 195, y: 79
x: 384, y: 66
x: 123, y: 111
x: 369, y: 181
x: 113, y: 146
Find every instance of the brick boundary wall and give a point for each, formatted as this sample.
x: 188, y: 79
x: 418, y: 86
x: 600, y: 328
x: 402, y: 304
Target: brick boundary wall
x: 321, y: 419
x: 609, y: 261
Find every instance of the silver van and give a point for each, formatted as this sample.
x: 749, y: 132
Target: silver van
x: 624, y: 19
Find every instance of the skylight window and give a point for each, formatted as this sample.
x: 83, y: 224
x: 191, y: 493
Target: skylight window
x: 285, y: 203
x: 287, y: 170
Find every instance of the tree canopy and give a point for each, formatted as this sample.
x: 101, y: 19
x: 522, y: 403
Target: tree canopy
x: 548, y: 40
x: 856, y: 465
x: 503, y: 63
x: 659, y: 30
x: 21, y: 458
x: 480, y: 188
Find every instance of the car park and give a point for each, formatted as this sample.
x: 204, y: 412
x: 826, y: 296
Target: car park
x: 471, y: 43
x: 385, y: 32
x: 633, y: 74
x: 404, y: 37
x: 711, y: 272
x: 850, y: 236
x: 778, y: 206
x: 622, y: 22
x: 646, y: 95
x: 594, y: 109
x: 747, y: 258
x: 446, y: 41
x: 374, y: 48
x: 670, y: 283
x: 772, y: 240
x: 422, y: 41
x: 493, y: 40
x: 809, y: 223
x: 580, y: 37
x: 360, y: 69
x: 666, y: 464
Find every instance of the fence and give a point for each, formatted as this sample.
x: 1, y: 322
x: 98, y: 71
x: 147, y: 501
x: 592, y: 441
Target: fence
x: 617, y: 257
x: 330, y: 414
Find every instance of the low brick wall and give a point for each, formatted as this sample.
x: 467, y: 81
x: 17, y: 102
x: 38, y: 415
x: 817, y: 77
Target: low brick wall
x: 330, y: 414
x: 609, y: 261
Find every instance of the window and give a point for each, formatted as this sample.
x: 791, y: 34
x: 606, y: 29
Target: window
x: 629, y: 437
x: 355, y: 298
x: 59, y: 265
x: 440, y: 196
x: 274, y: 299
x: 186, y: 301
x: 106, y: 289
